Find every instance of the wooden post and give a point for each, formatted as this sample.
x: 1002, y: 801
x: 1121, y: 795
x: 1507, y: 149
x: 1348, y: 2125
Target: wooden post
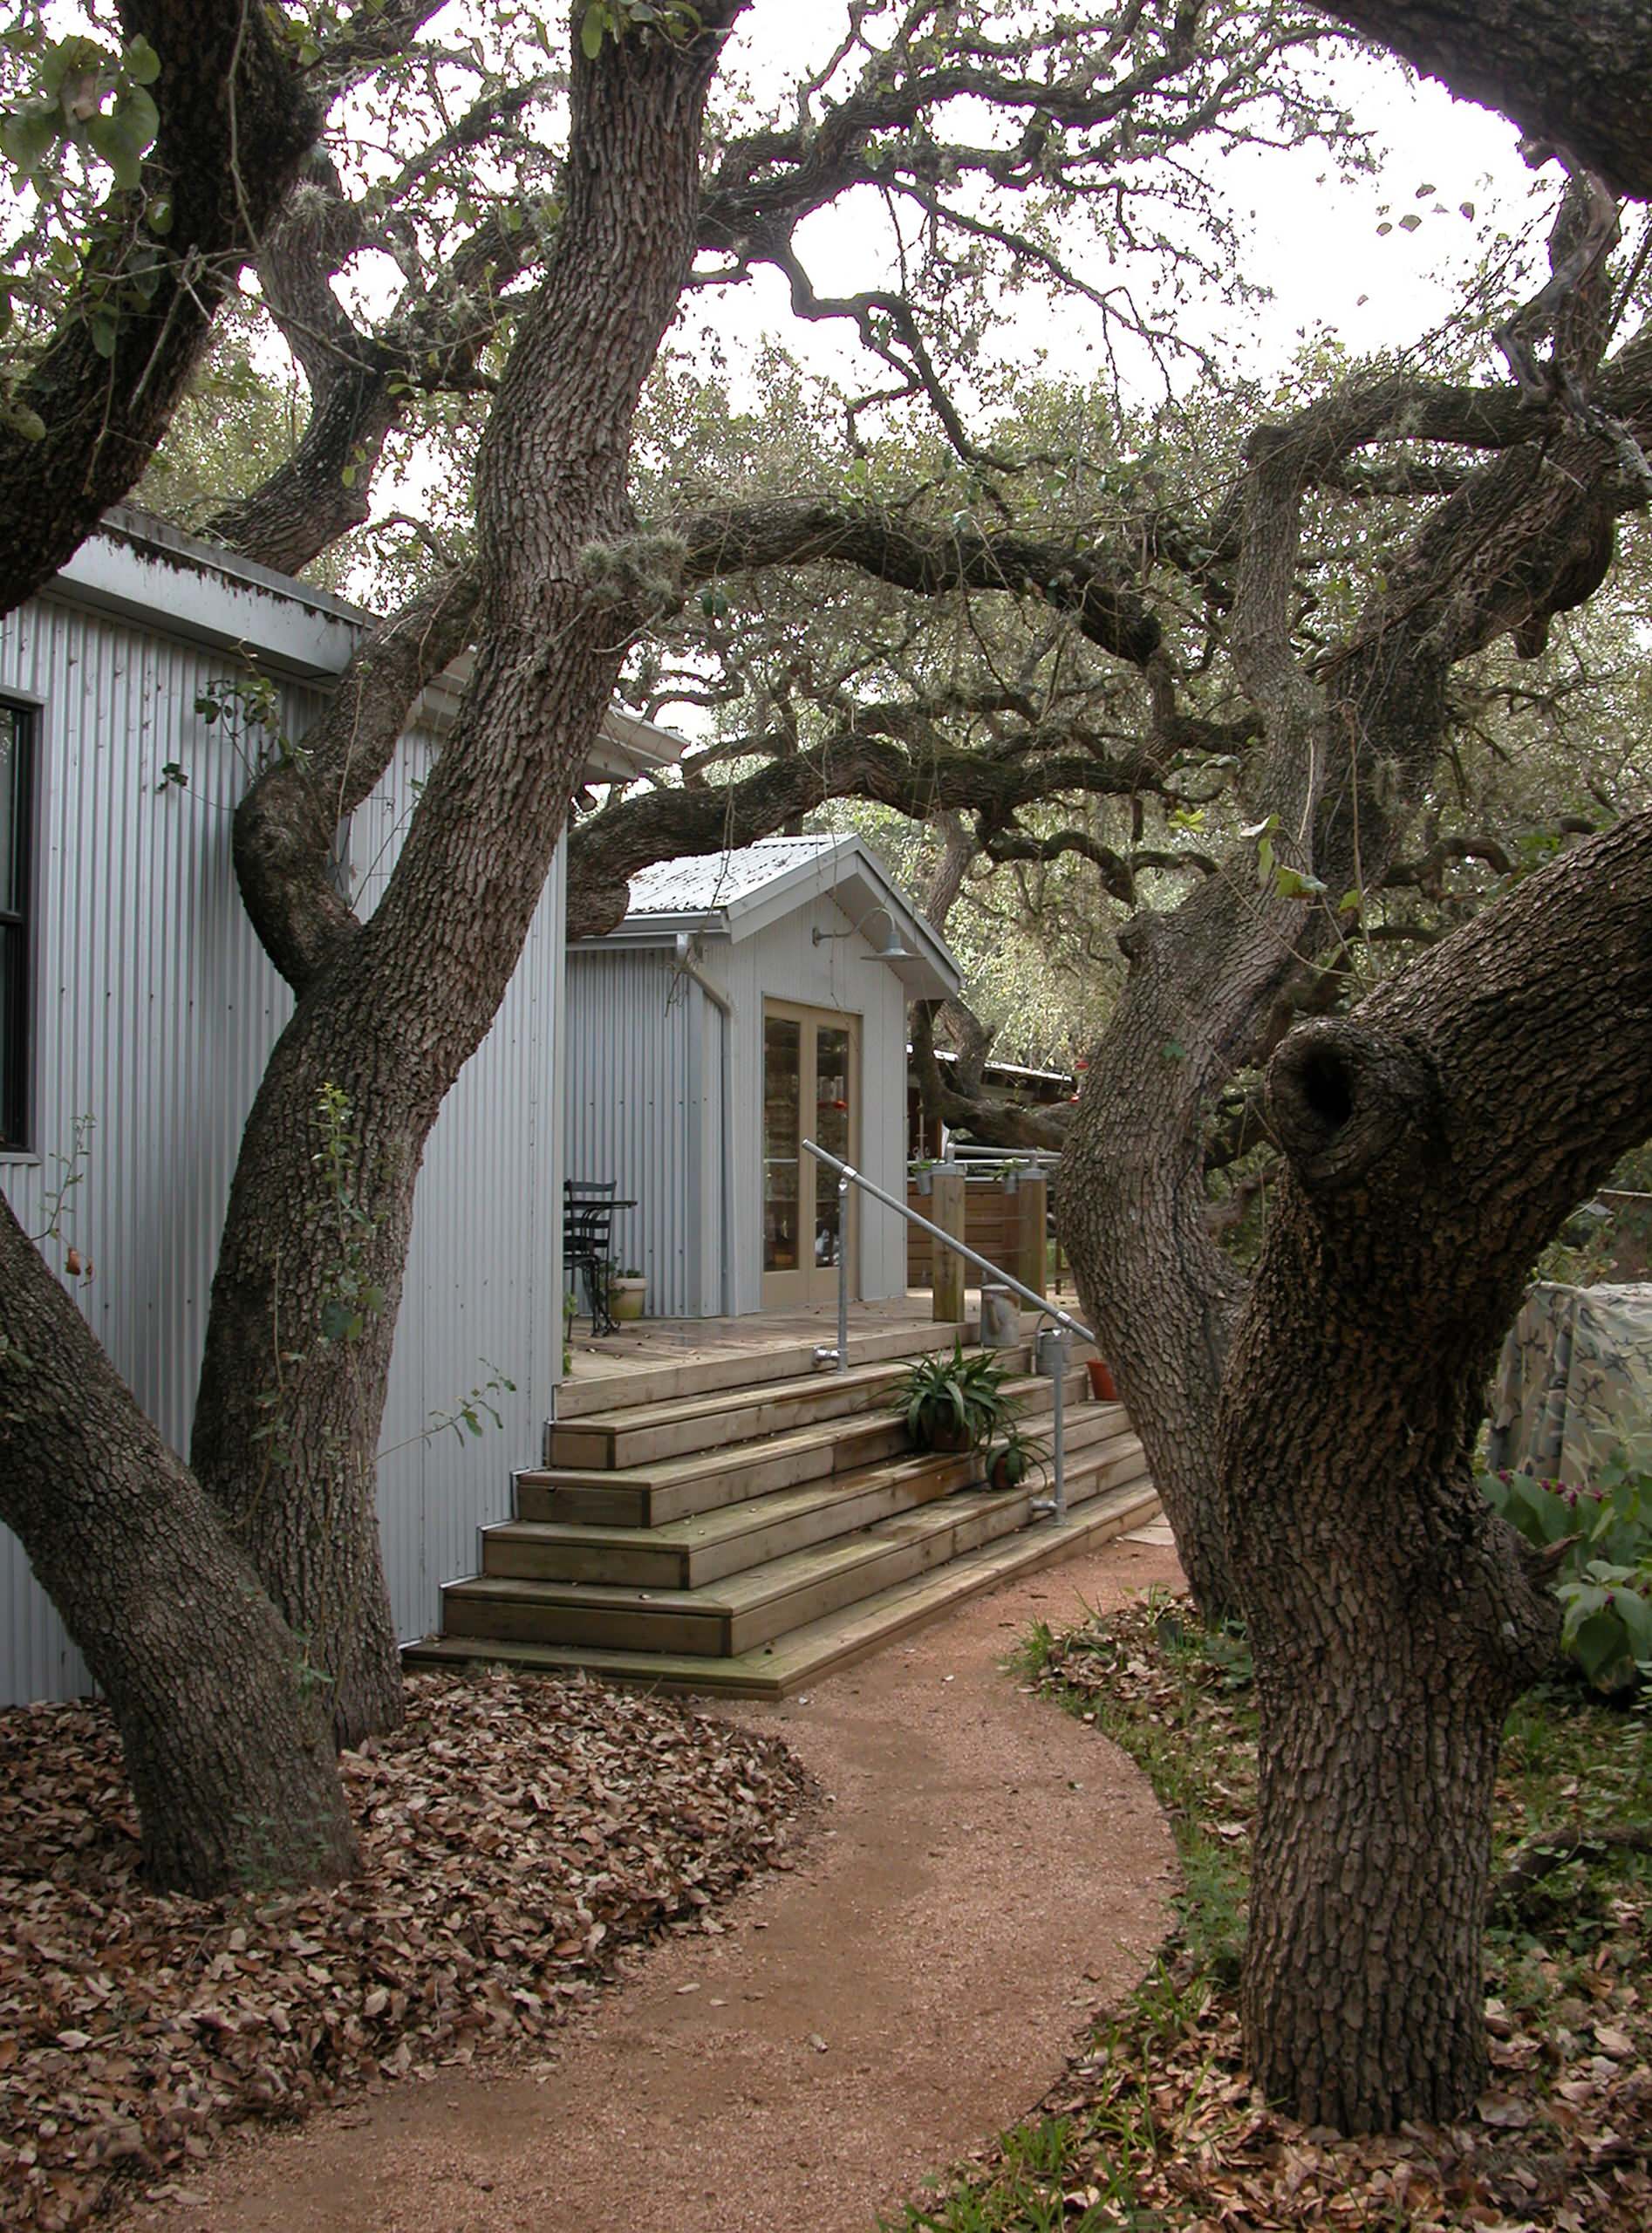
x: 947, y: 1210
x: 1031, y: 1267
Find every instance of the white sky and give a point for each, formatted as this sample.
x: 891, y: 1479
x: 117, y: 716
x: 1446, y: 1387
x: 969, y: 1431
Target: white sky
x: 1316, y: 242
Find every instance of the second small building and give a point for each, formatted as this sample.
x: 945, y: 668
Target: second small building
x: 750, y: 1000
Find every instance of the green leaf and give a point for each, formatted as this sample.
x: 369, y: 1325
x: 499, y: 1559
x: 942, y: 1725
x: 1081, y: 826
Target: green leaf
x: 1602, y: 1651
x: 103, y: 332
x: 28, y: 136
x: 143, y: 63
x: 1292, y: 884
x: 122, y: 138
x: 591, y: 32
x: 158, y: 216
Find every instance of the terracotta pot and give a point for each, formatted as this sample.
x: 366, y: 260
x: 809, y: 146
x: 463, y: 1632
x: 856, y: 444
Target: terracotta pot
x: 1101, y: 1384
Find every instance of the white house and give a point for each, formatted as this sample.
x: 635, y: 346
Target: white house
x: 137, y: 1011
x: 749, y: 1000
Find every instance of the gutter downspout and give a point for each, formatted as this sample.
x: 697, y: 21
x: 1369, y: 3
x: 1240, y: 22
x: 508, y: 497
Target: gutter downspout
x: 720, y: 1001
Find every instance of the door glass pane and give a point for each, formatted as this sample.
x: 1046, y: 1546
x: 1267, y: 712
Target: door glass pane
x: 782, y: 1098
x: 10, y: 803
x: 831, y: 1129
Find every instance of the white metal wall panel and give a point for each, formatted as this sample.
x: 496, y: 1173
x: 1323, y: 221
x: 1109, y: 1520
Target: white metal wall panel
x: 155, y: 1012
x: 636, y: 1112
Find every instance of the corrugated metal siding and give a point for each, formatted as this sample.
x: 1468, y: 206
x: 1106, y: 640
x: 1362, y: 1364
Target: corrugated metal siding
x: 153, y: 1007
x: 633, y: 1114
x: 155, y: 1012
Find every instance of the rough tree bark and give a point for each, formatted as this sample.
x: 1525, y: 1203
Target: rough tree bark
x: 399, y: 1003
x: 225, y: 1736
x: 235, y: 120
x: 1431, y: 1151
x: 1351, y: 742
x: 1572, y: 78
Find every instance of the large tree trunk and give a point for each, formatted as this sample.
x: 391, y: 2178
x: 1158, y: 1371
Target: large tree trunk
x: 397, y: 1005
x: 236, y: 118
x: 1436, y: 1139
x: 1575, y: 77
x: 224, y: 1730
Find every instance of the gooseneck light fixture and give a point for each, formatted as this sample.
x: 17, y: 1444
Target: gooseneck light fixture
x: 891, y: 950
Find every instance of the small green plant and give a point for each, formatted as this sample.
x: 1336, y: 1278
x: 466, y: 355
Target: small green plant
x: 1600, y: 1535
x: 954, y: 1402
x: 1014, y: 1455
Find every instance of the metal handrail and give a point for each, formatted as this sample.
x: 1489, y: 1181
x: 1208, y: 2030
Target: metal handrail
x: 1053, y: 1343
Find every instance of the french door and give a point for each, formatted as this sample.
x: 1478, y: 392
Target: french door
x: 811, y: 1090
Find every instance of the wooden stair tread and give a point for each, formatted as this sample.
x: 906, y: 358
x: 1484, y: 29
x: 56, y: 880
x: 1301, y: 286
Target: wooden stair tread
x: 1093, y: 1424
x: 674, y: 1411
x: 578, y: 1397
x: 1032, y: 1391
x: 775, y: 1578
x: 775, y: 1668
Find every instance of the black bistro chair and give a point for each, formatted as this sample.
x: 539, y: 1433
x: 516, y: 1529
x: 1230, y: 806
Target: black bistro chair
x: 587, y: 1206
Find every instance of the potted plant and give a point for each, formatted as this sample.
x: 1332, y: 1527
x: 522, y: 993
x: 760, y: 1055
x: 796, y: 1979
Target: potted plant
x: 627, y: 1290
x: 1014, y: 1455
x: 954, y: 1402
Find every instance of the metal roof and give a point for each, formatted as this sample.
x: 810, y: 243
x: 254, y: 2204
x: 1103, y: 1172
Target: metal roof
x: 140, y: 568
x: 718, y: 882
x: 731, y: 895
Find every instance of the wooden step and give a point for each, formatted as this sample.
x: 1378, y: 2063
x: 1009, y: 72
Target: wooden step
x: 595, y: 1390
x: 755, y: 1606
x: 774, y: 1669
x: 658, y: 1493
x: 722, y: 1540
x: 640, y: 1434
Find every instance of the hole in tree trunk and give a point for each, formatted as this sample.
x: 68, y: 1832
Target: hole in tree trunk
x: 1327, y: 1088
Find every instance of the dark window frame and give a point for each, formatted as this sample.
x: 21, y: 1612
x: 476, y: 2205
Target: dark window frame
x: 16, y: 1010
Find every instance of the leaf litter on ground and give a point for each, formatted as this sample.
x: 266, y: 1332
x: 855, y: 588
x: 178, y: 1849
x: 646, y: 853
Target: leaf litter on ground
x: 517, y: 1836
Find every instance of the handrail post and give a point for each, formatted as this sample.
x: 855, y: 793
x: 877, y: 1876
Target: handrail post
x: 1051, y: 1353
x: 843, y: 1271
x: 1052, y: 1359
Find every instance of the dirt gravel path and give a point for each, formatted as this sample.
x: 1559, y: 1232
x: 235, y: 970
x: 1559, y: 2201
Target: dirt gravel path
x: 986, y: 1876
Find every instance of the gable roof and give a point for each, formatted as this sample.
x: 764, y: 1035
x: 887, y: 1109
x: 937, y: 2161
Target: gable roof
x: 731, y: 895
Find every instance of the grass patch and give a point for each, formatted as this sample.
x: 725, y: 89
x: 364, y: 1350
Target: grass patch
x: 1156, y: 2127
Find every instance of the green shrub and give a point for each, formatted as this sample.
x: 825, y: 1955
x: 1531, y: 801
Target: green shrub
x: 954, y: 1402
x: 1604, y: 1575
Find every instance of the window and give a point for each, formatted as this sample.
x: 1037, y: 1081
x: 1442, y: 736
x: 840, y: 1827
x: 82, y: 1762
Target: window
x: 16, y: 817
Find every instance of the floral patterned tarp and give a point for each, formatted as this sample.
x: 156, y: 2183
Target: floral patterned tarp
x: 1575, y: 1383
